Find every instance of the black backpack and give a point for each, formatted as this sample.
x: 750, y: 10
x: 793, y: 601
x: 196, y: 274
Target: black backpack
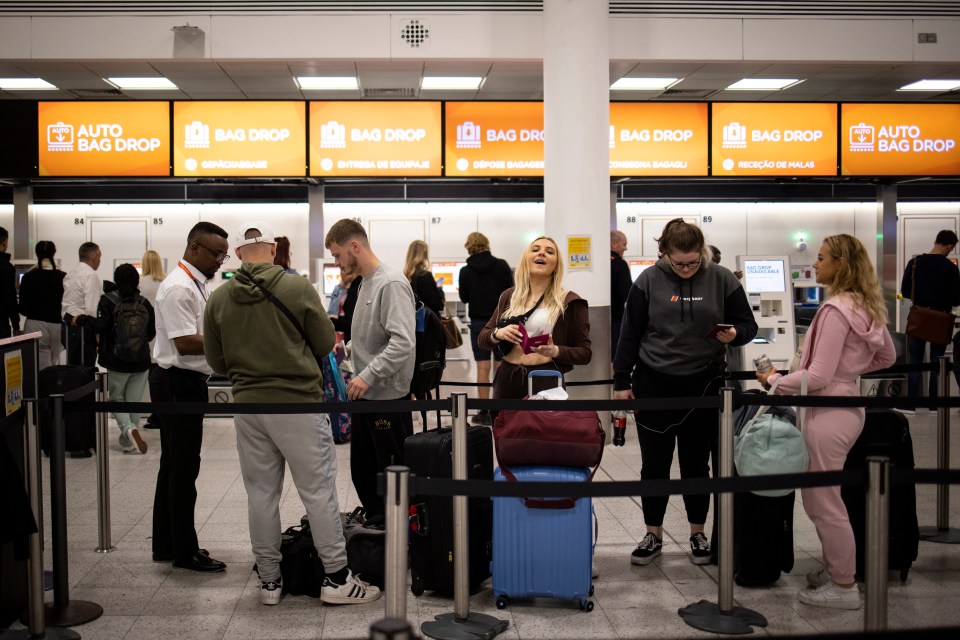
x: 430, y: 352
x: 131, y: 321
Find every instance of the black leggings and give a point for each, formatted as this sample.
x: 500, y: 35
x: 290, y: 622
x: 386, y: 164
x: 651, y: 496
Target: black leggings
x: 692, y: 432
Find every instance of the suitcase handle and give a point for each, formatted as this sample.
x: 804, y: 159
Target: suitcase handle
x: 542, y: 373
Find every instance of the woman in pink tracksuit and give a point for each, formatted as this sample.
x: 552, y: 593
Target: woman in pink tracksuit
x: 848, y: 337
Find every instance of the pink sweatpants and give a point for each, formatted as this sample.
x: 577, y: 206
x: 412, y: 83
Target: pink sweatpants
x: 829, y: 433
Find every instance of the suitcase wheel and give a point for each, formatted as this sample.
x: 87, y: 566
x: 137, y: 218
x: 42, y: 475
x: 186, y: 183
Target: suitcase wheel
x: 502, y: 602
x: 416, y: 584
x: 586, y: 605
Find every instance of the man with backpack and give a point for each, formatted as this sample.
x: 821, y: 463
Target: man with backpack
x: 267, y: 331
x: 126, y: 324
x: 383, y: 349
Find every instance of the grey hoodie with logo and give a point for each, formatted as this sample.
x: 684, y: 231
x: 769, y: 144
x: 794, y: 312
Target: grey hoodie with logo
x: 667, y: 318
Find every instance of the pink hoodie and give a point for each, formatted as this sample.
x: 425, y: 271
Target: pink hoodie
x: 842, y: 343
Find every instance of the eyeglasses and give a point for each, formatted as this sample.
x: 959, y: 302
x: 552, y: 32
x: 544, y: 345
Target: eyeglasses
x: 217, y: 255
x: 680, y: 266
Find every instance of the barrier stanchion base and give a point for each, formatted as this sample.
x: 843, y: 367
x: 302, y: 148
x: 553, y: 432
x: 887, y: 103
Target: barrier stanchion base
x: 75, y: 613
x: 943, y: 536
x: 706, y: 616
x: 49, y: 633
x: 476, y: 626
x: 105, y: 549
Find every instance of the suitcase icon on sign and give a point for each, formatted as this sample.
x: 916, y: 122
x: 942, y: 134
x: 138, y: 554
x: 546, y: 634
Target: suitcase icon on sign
x: 60, y: 137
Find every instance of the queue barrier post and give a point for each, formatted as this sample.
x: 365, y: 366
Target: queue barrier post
x: 877, y: 543
x: 397, y: 505
x: 62, y: 612
x: 104, y: 529
x: 34, y: 617
x: 724, y: 617
x: 461, y: 624
x: 942, y: 532
x: 391, y: 629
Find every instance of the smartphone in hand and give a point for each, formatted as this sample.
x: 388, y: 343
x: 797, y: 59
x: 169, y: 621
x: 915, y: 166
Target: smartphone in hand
x: 717, y: 328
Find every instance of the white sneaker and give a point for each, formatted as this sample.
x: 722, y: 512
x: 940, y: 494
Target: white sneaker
x: 270, y: 592
x: 818, y: 578
x: 353, y: 591
x: 831, y: 596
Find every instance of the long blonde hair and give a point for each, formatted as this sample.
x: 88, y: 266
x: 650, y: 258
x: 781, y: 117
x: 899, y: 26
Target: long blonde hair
x: 856, y: 276
x: 151, y: 265
x: 553, y: 296
x: 418, y: 259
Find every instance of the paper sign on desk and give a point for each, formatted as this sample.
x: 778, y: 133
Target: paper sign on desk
x: 528, y: 343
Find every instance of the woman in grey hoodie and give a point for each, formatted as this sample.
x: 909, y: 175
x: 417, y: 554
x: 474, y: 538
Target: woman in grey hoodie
x: 667, y: 349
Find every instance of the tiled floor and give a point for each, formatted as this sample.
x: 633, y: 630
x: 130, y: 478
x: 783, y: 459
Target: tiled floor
x: 143, y: 600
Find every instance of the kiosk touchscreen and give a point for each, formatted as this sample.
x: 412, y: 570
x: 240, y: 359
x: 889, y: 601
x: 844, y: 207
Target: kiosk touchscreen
x: 639, y: 266
x: 331, y: 278
x: 766, y: 281
x: 450, y: 274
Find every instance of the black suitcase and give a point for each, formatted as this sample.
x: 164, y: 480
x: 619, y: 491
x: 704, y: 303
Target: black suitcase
x: 80, y: 429
x: 885, y: 433
x: 762, y: 538
x: 430, y: 454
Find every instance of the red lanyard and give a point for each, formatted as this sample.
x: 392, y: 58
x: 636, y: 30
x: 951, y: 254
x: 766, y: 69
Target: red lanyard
x: 195, y: 281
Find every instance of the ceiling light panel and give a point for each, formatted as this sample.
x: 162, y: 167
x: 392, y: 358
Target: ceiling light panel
x: 643, y: 84
x: 764, y: 84
x: 328, y: 83
x: 25, y: 84
x: 142, y: 84
x: 451, y: 83
x: 932, y: 85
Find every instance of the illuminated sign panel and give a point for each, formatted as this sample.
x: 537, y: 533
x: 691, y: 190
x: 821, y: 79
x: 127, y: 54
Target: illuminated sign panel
x: 658, y: 139
x: 494, y: 139
x: 104, y: 138
x: 774, y: 139
x: 899, y: 139
x: 239, y: 139
x: 375, y: 139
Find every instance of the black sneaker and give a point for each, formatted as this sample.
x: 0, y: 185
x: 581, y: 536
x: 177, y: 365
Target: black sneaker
x: 700, y: 548
x: 648, y: 549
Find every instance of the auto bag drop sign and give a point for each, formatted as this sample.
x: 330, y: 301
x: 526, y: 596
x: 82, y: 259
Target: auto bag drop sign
x: 251, y: 139
x: 774, y: 139
x: 90, y: 139
x: 354, y: 138
x: 900, y: 139
x: 484, y: 139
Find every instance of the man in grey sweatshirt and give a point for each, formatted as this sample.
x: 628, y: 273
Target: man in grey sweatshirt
x: 382, y: 348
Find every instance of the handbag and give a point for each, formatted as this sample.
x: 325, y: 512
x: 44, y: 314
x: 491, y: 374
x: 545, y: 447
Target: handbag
x: 554, y: 438
x: 769, y: 444
x: 451, y: 331
x: 924, y: 323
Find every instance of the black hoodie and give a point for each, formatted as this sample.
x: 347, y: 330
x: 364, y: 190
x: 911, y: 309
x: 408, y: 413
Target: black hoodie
x: 8, y: 295
x: 481, y: 283
x: 668, y: 317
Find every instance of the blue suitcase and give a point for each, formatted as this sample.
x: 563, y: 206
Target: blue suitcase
x: 542, y: 552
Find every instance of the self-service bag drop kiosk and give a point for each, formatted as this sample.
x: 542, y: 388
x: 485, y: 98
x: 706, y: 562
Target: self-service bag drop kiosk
x: 770, y: 294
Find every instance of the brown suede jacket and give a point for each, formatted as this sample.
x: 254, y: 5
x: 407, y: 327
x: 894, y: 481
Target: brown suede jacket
x: 571, y: 332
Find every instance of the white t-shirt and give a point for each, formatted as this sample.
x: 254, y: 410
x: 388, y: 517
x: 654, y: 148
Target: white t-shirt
x: 81, y: 291
x: 181, y: 300
x: 536, y: 324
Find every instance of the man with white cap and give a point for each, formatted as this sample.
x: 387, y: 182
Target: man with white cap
x: 263, y: 330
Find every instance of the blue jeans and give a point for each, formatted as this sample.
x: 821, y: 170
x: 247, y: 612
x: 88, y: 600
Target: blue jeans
x: 915, y: 348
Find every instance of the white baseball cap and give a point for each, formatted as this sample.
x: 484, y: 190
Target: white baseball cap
x: 240, y: 239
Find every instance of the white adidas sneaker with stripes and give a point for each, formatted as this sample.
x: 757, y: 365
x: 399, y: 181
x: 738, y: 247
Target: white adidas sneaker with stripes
x: 353, y: 591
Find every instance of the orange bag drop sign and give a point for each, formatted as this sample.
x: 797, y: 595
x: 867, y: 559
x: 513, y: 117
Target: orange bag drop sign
x: 774, y: 139
x: 375, y: 138
x: 239, y: 139
x: 658, y: 139
x: 900, y: 139
x: 493, y: 139
x: 88, y: 139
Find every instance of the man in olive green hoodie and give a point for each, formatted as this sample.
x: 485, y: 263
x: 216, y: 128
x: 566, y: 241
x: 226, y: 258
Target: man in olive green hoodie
x: 248, y: 338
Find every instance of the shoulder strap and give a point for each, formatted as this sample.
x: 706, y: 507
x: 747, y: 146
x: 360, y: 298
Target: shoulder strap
x: 247, y: 276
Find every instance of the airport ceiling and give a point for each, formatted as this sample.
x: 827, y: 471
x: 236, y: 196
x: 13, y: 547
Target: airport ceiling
x: 503, y: 80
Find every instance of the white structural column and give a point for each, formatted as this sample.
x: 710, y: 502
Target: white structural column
x: 576, y: 96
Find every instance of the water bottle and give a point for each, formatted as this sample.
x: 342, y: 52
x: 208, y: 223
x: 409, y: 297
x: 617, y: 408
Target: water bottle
x: 619, y: 428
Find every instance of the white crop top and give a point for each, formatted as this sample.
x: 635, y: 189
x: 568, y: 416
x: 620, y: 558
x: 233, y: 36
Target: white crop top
x: 536, y: 324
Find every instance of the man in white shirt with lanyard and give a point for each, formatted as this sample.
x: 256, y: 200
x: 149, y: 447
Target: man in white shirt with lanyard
x: 181, y: 376
x: 81, y: 295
